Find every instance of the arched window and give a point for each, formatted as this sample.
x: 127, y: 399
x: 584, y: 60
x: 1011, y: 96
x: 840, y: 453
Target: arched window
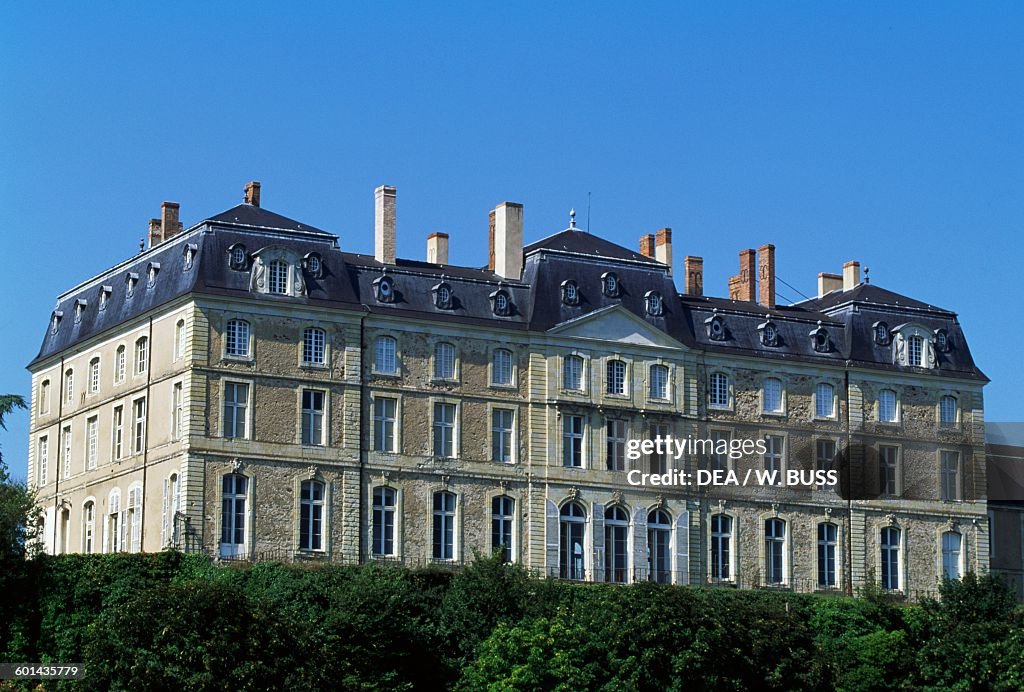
x: 89, y: 527
x: 658, y: 383
x: 44, y: 397
x: 311, y: 515
x: 502, y: 522
x: 94, y: 375
x: 234, y: 489
x: 616, y: 545
x: 238, y: 257
x: 774, y: 551
x: 616, y: 380
x: 119, y: 365
x: 314, y: 346
x: 444, y: 525
x: 572, y: 529
x: 951, y: 555
x: 383, y: 538
x: 277, y: 277
x: 236, y: 339
x: 444, y: 361
x: 501, y: 367
x: 721, y: 547
x: 915, y: 349
x: 115, y: 522
x: 141, y: 355
x: 134, y: 520
x: 179, y: 340
x: 890, y: 549
x: 69, y: 385
x: 572, y: 373
x: 827, y: 540
x: 773, y: 395
x: 385, y: 360
x: 947, y: 410
x: 172, y: 501
x: 887, y: 406
x: 718, y: 390
x: 659, y: 540
x: 824, y: 400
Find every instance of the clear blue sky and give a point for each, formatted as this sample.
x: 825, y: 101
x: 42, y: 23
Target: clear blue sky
x: 889, y: 133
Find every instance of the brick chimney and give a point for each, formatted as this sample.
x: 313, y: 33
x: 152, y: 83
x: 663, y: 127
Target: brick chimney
x: 694, y: 278
x: 742, y: 286
x: 169, y: 224
x: 647, y: 245
x: 508, y: 240
x: 437, y: 248
x: 828, y: 283
x: 766, y: 275
x: 851, y: 275
x: 252, y: 193
x: 490, y: 240
x: 384, y: 198
x: 663, y: 247
x: 156, y: 235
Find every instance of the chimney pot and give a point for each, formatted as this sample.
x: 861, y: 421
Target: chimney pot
x: 694, y: 279
x: 508, y: 240
x: 828, y: 283
x: 766, y: 275
x: 742, y: 286
x: 647, y: 245
x: 252, y: 193
x: 851, y: 275
x: 169, y: 224
x: 437, y: 248
x: 663, y: 247
x: 384, y: 198
x: 156, y: 235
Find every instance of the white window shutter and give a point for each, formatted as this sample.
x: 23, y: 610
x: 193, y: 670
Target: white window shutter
x: 641, y: 565
x: 683, y: 548
x: 551, y: 519
x: 599, y: 548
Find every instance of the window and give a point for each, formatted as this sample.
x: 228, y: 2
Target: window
x: 501, y: 434
x: 824, y: 400
x: 887, y: 406
x: 236, y: 404
x: 572, y: 441
x: 827, y: 540
x: 947, y: 410
x: 384, y: 355
x: 502, y: 518
x: 384, y: 289
x: 277, y: 277
x: 65, y: 457
x: 236, y: 339
x: 444, y: 525
x: 819, y: 339
x: 941, y: 340
x: 571, y: 531
x: 117, y: 436
x: 172, y: 502
x: 769, y: 334
x: 444, y: 430
x: 774, y: 551
x: 658, y: 388
x: 311, y: 515
x: 951, y: 541
x: 115, y: 522
x: 44, y: 397
x: 501, y: 303
x: 501, y: 369
x: 69, y: 386
x: 824, y: 458
x: 134, y: 518
x: 444, y: 361
x: 313, y: 417
x: 881, y: 330
x: 774, y: 448
x: 384, y: 411
x: 721, y: 547
x: 119, y: 365
x: 234, y: 489
x: 179, y: 340
x: 659, y: 538
x: 314, y: 265
x: 888, y: 460
x: 238, y: 257
x: 141, y: 355
x: 383, y: 521
x: 616, y: 530
x: 314, y: 346
x: 658, y: 461
x: 915, y: 346
x: 570, y: 292
x: 94, y: 375
x: 653, y: 303
x: 616, y: 444
x: 610, y: 284
x: 88, y: 527
x: 92, y: 434
x: 42, y: 460
x: 718, y: 390
x: 950, y: 475
x: 139, y: 410
x: 720, y: 455
x: 616, y: 383
x: 572, y: 373
x: 890, y: 548
x: 443, y: 296
x: 772, y: 395
x: 178, y: 411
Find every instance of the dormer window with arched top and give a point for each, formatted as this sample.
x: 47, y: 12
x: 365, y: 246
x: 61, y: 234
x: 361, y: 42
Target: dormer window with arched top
x: 105, y: 292
x: 610, y: 285
x: 55, y: 319
x: 443, y: 297
x: 276, y: 271
x: 880, y: 331
x: 941, y: 341
x: 237, y: 257
x: 820, y: 341
x: 129, y: 284
x: 151, y: 271
x: 80, y: 305
x: 384, y: 289
x: 653, y: 303
x: 188, y: 255
x: 715, y: 327
x: 769, y: 333
x: 501, y: 303
x: 314, y: 265
x: 570, y: 292
x: 913, y: 345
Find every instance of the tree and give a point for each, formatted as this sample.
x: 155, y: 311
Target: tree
x: 16, y: 500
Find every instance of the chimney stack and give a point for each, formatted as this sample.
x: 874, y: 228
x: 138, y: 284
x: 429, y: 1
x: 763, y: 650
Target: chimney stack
x: 156, y: 236
x: 384, y: 198
x: 169, y: 224
x: 507, y: 240
x: 851, y: 275
x: 742, y: 286
x: 252, y: 193
x: 766, y: 275
x: 828, y: 283
x: 663, y: 247
x: 647, y: 245
x: 694, y: 279
x: 437, y: 248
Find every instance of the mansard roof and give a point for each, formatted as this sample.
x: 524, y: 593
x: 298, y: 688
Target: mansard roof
x: 256, y: 217
x: 575, y: 241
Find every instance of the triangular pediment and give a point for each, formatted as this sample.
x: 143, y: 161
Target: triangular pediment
x: 615, y: 323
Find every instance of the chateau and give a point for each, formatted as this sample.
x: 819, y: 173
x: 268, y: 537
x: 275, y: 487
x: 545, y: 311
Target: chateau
x: 249, y: 388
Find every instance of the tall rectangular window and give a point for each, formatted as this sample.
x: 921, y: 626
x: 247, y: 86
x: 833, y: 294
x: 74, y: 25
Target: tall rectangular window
x: 178, y: 409
x: 313, y: 417
x: 119, y: 365
x: 572, y: 441
x: 824, y: 458
x: 384, y: 411
x: 42, y: 460
x: 117, y: 433
x: 890, y: 548
x: 236, y: 340
x: 772, y: 395
x: 774, y: 551
x: 572, y: 373
x: 658, y: 385
x: 950, y: 475
x: 501, y: 434
x: 827, y: 534
x: 179, y: 340
x: 915, y: 347
x: 658, y: 461
x: 947, y: 410
x: 314, y: 346
x: 718, y: 390
x: 887, y: 406
x: 44, y: 397
x: 89, y: 527
x: 277, y: 277
x: 139, y: 410
x: 141, y: 355
x: 888, y: 462
x: 721, y: 547
x: 311, y: 515
x: 774, y: 448
x: 502, y: 519
x: 385, y: 360
x: 236, y: 405
x: 616, y: 432
x: 444, y: 526
x: 383, y: 521
x: 616, y: 380
x: 234, y: 490
x: 66, y: 454
x: 69, y: 386
x: 94, y: 375
x: 92, y: 434
x: 824, y: 400
x: 444, y: 430
x: 501, y: 367
x: 951, y: 543
x: 720, y: 456
x: 444, y: 362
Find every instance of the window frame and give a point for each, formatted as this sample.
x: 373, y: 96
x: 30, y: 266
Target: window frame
x: 946, y: 553
x: 498, y: 368
x: 780, y: 410
x: 617, y: 382
x: 666, y: 387
x: 569, y: 451
x: 721, y: 571
x: 376, y: 364
x: 438, y: 426
x: 944, y: 422
x: 93, y: 386
x: 274, y: 277
x: 498, y: 433
x: 232, y: 348
x: 579, y: 359
x: 896, y: 466
x: 890, y: 556
x: 616, y: 544
x: 615, y: 461
x: 572, y: 553
x: 245, y: 406
x: 140, y: 363
x: 822, y: 557
x: 951, y: 490
x: 439, y: 362
x: 384, y: 522
x: 775, y: 550
x: 880, y: 408
x: 379, y: 421
x: 833, y: 408
x: 444, y: 525
x: 240, y: 520
x: 92, y: 442
x: 503, y: 525
x: 311, y: 413
x: 308, y: 345
x: 312, y: 516
x: 139, y: 425
x: 715, y: 403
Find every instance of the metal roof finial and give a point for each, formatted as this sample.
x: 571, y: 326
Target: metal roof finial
x: 572, y: 218
x: 867, y: 279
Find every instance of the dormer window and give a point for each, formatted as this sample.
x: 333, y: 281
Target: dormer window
x: 129, y: 284
x: 654, y: 304
x: 105, y: 292
x: 151, y: 271
x: 881, y: 333
x: 819, y: 339
x: 80, y: 309
x: 610, y: 284
x: 384, y: 289
x: 570, y: 292
x: 237, y: 257
x: 914, y: 346
x: 715, y: 327
x: 314, y: 265
x: 188, y: 255
x: 55, y: 319
x: 941, y: 340
x: 443, y: 298
x: 769, y: 333
x: 277, y: 277
x: 501, y: 303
